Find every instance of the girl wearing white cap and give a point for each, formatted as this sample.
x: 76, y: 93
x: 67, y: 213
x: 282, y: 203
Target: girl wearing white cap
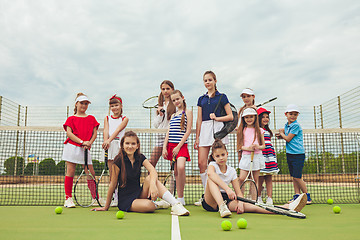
x: 114, y: 130
x: 248, y: 97
x: 250, y: 138
x: 81, y: 130
x: 209, y: 121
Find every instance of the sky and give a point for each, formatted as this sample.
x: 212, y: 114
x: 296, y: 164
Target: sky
x: 303, y: 52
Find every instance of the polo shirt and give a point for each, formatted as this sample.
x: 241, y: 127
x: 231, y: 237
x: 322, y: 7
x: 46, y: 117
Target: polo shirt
x: 208, y: 105
x: 296, y: 145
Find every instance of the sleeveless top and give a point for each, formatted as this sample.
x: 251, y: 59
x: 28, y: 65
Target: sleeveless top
x: 114, y: 124
x: 175, y: 133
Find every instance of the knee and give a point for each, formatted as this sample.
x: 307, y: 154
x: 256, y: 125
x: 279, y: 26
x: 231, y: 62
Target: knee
x: 202, y: 166
x: 150, y: 207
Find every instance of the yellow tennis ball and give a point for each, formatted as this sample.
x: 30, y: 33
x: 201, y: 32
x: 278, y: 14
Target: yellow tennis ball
x: 120, y: 214
x: 336, y: 209
x: 242, y: 223
x: 330, y: 201
x: 58, y: 210
x: 226, y: 225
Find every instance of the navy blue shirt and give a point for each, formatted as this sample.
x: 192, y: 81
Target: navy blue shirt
x: 208, y: 105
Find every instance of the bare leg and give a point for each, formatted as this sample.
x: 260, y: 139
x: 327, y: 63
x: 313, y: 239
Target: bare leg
x: 70, y: 169
x: 212, y: 195
x: 242, y: 176
x: 300, y: 185
x: 180, y: 176
x: 269, y: 186
x: 155, y: 155
x: 146, y: 186
x: 203, y: 154
x: 260, y: 184
x: 142, y: 206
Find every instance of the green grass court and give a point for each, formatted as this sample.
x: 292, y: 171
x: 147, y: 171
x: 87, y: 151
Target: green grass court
x: 24, y: 222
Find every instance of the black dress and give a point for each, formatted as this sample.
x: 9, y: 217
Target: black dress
x: 132, y: 189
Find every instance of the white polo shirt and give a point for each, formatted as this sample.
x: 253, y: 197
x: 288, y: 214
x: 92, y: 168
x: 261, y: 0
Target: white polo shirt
x: 227, y: 177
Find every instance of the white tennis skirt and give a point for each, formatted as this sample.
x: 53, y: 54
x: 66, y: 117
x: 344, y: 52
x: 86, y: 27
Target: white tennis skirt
x: 258, y: 162
x: 75, y: 154
x: 207, y: 130
x: 113, y: 150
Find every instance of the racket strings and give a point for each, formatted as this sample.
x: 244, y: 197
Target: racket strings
x: 249, y: 190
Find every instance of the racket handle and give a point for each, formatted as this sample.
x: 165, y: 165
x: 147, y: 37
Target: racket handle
x: 252, y: 156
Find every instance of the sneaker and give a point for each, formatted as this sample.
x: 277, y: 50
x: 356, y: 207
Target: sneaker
x: 114, y: 203
x: 182, y: 201
x: 269, y: 201
x: 299, y: 203
x: 199, y: 202
x: 69, y: 203
x: 259, y: 200
x: 179, y: 210
x: 162, y: 204
x: 309, y: 201
x: 294, y: 198
x: 224, y: 210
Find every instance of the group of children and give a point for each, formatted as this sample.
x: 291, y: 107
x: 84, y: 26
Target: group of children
x: 125, y: 159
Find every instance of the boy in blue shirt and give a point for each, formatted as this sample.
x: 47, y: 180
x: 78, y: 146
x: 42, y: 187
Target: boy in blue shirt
x: 295, y: 152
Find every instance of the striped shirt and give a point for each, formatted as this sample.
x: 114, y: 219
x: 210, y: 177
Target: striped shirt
x: 175, y: 132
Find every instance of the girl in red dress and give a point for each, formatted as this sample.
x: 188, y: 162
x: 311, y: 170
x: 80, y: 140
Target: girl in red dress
x: 81, y: 131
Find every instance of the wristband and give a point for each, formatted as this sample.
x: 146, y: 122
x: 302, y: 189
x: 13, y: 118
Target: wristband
x: 81, y: 142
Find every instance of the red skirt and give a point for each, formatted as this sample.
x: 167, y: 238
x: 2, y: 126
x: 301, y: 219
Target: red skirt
x: 184, y: 152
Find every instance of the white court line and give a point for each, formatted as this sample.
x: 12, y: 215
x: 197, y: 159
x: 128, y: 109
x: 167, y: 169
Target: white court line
x: 175, y: 228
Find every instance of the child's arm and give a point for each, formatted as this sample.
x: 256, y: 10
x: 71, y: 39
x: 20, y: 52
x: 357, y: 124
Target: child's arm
x: 72, y: 136
x: 236, y: 185
x: 260, y: 147
x: 122, y: 125
x: 113, y: 184
x: 153, y: 191
x: 198, y: 128
x: 226, y: 118
x: 164, y: 152
x: 88, y: 144
x: 288, y: 137
x: 105, y: 145
x: 159, y: 117
x: 189, y: 117
x: 218, y: 181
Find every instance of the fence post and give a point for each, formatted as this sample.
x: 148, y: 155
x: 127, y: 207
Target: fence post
x: 316, y: 143
x: 67, y: 112
x: 17, y: 141
x: 323, y: 140
x: 0, y: 107
x: 341, y: 137
x: 24, y: 145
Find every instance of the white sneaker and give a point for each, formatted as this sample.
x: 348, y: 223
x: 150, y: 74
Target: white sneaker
x: 259, y: 200
x: 199, y: 202
x: 224, y: 210
x: 114, y: 203
x: 180, y: 210
x: 269, y: 201
x: 69, y: 203
x: 299, y: 203
x: 162, y: 204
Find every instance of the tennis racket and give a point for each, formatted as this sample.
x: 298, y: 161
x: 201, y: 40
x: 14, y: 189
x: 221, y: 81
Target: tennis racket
x: 151, y: 102
x: 248, y: 187
x: 102, y: 186
x: 85, y: 189
x: 274, y: 209
x: 170, y: 181
x: 268, y: 101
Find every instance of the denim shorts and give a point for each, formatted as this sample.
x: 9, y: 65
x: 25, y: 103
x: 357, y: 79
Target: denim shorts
x: 296, y: 164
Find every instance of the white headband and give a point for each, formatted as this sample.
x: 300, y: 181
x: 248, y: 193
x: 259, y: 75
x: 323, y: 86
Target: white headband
x: 82, y: 98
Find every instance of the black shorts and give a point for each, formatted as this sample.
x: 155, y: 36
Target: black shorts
x: 207, y: 207
x: 296, y: 164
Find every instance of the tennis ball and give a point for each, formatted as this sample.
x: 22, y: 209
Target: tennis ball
x: 242, y: 223
x: 226, y: 225
x: 120, y: 214
x: 336, y: 209
x: 330, y: 201
x: 58, y: 210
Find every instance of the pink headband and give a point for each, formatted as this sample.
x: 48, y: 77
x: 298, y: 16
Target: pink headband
x: 116, y: 97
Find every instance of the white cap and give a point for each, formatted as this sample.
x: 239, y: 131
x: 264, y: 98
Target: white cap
x: 248, y: 91
x: 248, y: 111
x: 292, y: 108
x: 82, y: 98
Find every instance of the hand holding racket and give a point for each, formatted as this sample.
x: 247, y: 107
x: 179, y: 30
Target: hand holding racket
x: 170, y: 181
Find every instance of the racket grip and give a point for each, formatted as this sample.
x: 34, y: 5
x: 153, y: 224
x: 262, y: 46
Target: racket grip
x: 252, y: 156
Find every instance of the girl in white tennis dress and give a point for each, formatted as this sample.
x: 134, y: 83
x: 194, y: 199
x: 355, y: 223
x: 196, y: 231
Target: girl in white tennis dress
x: 114, y: 129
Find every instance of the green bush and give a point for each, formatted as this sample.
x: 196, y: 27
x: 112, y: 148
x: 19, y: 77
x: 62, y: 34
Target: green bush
x: 9, y: 166
x: 29, y: 169
x: 47, y: 167
x: 60, y: 168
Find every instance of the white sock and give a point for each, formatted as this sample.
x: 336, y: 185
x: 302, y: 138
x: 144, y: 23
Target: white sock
x: 181, y: 200
x: 170, y: 198
x: 203, y: 177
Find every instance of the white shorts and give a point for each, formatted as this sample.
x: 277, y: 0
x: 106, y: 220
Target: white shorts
x: 207, y: 130
x: 258, y: 162
x: 75, y: 154
x: 160, y: 138
x: 113, y: 150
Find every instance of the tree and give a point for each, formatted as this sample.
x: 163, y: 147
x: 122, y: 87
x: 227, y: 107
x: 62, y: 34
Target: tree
x: 9, y: 166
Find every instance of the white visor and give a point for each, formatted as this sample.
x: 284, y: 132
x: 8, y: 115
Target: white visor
x: 82, y: 98
x: 248, y: 112
x: 247, y: 91
x: 292, y: 108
